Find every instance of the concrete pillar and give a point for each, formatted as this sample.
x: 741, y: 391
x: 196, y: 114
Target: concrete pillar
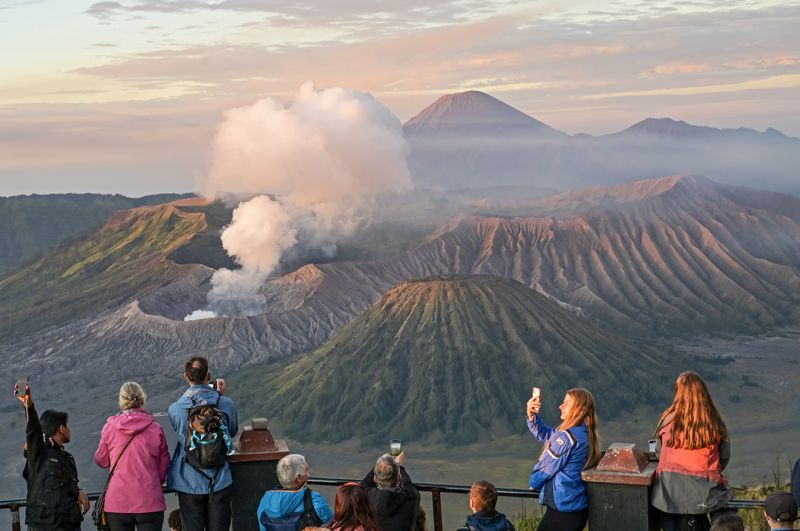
x: 619, y: 490
x: 254, y: 470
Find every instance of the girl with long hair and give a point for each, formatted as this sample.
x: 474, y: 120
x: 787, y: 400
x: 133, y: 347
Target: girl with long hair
x: 694, y: 451
x: 568, y: 449
x: 352, y: 510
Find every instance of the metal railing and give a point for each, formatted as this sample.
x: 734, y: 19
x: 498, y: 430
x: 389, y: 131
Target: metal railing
x: 436, y: 490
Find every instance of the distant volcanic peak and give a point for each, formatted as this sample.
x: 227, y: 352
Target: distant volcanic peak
x: 474, y: 112
x: 602, y: 196
x: 669, y: 128
x: 679, y: 129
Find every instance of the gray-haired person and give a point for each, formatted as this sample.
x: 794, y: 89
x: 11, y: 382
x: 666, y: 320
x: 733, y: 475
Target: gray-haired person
x: 283, y: 508
x: 392, y: 494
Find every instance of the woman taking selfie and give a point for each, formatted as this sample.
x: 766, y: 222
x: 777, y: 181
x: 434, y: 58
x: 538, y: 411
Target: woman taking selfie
x: 134, y: 442
x: 694, y: 452
x: 568, y: 449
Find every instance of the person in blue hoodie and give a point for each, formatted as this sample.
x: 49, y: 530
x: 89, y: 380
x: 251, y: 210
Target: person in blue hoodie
x: 568, y: 449
x: 484, y: 517
x: 283, y: 508
x: 204, y: 496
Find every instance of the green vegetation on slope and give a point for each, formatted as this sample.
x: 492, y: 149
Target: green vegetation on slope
x: 206, y: 247
x: 451, y: 359
x: 97, y: 271
x: 29, y: 224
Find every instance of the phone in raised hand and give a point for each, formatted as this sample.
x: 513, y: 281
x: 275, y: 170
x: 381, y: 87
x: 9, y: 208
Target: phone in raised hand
x: 22, y: 386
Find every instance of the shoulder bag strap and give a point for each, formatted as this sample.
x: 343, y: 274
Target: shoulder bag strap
x: 114, y: 466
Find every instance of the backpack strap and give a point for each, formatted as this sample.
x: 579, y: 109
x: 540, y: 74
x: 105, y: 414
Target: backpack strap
x: 309, y: 512
x: 211, y: 479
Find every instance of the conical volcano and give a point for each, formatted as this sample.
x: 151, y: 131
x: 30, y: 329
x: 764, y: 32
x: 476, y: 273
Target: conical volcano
x: 453, y: 359
x: 475, y: 113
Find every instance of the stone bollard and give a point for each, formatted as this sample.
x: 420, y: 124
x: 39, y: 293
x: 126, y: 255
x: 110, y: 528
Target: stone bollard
x: 619, y: 490
x: 254, y: 470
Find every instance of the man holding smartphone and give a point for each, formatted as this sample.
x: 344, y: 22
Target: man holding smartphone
x: 204, y: 495
x: 48, y: 464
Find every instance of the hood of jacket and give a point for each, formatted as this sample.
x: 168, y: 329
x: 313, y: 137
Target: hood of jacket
x: 131, y: 421
x: 388, y: 502
x: 198, y: 395
x: 487, y: 521
x: 281, y: 503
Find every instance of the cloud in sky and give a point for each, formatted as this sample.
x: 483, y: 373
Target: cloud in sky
x: 578, y: 68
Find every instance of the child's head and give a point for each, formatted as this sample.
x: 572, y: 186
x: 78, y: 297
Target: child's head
x: 482, y: 496
x: 174, y: 520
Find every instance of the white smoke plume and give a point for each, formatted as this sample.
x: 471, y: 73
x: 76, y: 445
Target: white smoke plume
x: 321, y: 159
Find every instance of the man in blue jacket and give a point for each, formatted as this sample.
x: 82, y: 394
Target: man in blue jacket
x: 284, y: 508
x: 204, y: 495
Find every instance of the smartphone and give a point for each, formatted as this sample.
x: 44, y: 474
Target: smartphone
x: 212, y: 385
x: 535, y: 392
x: 21, y: 389
x: 651, y: 449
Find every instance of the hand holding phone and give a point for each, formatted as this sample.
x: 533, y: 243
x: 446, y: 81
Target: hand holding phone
x: 22, y: 390
x: 534, y: 403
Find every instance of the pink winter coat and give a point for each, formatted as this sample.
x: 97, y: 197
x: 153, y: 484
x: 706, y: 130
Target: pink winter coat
x: 136, y: 485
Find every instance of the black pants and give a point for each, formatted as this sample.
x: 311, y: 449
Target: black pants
x: 210, y: 512
x: 131, y: 521
x: 683, y: 522
x: 555, y: 520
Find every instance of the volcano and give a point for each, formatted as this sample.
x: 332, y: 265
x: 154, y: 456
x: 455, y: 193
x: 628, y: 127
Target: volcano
x: 453, y: 359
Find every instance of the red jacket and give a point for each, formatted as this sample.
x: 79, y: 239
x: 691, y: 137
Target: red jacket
x: 690, y: 481
x: 136, y: 485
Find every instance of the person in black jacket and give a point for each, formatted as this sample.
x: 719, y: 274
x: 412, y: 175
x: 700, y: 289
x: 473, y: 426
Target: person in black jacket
x: 54, y: 500
x: 392, y: 495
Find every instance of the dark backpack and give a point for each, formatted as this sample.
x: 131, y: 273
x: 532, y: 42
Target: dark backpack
x: 205, y: 445
x: 295, y: 521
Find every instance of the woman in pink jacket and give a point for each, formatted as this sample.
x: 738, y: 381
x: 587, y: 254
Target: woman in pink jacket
x: 135, y: 498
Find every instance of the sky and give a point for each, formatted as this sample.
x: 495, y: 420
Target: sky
x: 125, y: 96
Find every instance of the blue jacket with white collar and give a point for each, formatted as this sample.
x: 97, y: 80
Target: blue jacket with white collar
x: 558, y: 473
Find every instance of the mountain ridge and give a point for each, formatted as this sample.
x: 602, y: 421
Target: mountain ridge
x: 669, y: 127
x: 697, y: 257
x: 449, y: 150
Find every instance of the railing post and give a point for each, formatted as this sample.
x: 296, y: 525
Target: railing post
x: 436, y: 494
x: 14, y: 517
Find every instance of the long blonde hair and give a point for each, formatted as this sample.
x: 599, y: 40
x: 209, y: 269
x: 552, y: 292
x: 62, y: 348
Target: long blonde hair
x: 693, y: 416
x: 583, y: 412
